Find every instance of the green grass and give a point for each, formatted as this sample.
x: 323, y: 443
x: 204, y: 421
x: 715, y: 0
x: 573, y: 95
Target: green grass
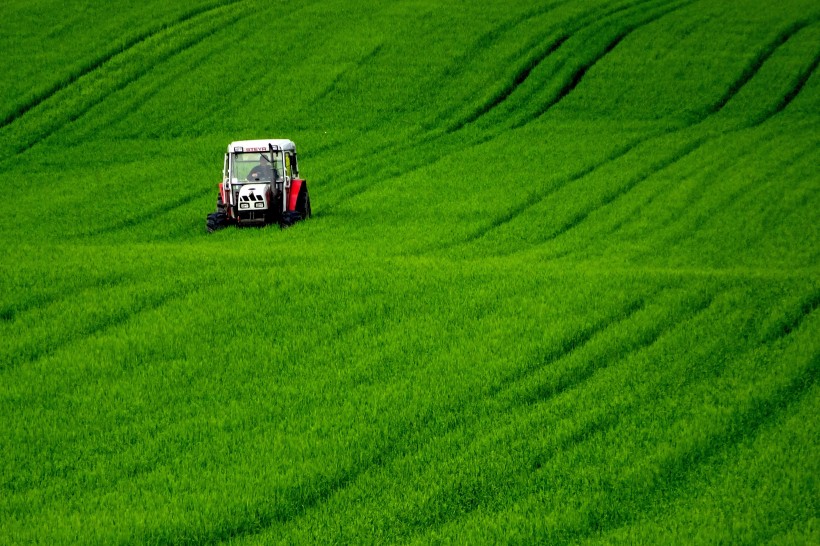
x: 561, y: 283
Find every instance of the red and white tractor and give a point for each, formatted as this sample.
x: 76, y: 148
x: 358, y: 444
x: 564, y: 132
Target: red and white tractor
x: 260, y: 186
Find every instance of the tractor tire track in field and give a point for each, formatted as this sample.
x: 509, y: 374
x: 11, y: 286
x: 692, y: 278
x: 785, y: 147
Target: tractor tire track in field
x: 697, y: 143
x: 792, y: 321
x: 601, y: 423
x: 582, y: 215
x: 703, y: 213
x: 745, y: 190
x: 518, y: 80
x: 113, y: 73
x: 792, y: 94
x: 494, y: 35
x: 97, y: 63
x: 258, y: 520
x: 640, y: 495
x: 458, y: 506
x: 484, y: 42
x: 149, y: 215
x: 537, y: 197
x: 647, y: 338
x: 576, y: 77
x: 676, y: 469
x: 9, y: 313
x: 757, y: 62
x: 689, y: 203
x: 548, y: 48
x: 334, y: 84
x: 396, y: 150
x: 47, y: 347
x: 567, y: 346
x: 626, y: 218
x: 734, y: 89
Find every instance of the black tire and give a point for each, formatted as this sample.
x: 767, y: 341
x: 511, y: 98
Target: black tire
x: 216, y: 220
x: 290, y: 217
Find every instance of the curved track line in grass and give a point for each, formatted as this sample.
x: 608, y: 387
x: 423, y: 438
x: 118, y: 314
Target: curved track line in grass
x: 151, y: 214
x: 677, y: 469
x: 792, y: 94
x: 538, y: 197
x: 258, y: 520
x: 686, y: 150
x: 518, y: 79
x: 793, y: 321
x: 486, y: 40
x: 118, y: 318
x: 623, y: 190
x: 576, y: 377
x: 397, y: 149
x: 576, y: 77
x: 404, y: 441
x: 482, y: 43
x: 696, y: 221
x: 9, y: 313
x: 587, y: 429
x: 748, y: 421
x: 100, y: 88
x: 757, y: 62
x: 734, y: 89
x: 97, y: 63
x: 331, y: 87
x: 552, y: 44
x: 541, y: 54
x: 566, y: 346
x: 624, y: 220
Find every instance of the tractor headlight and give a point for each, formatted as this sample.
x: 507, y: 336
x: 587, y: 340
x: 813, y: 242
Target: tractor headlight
x: 244, y: 205
x: 259, y: 205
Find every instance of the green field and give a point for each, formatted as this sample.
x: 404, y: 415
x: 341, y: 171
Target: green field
x: 561, y: 284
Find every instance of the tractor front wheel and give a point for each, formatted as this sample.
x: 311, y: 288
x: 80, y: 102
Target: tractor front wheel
x: 216, y: 220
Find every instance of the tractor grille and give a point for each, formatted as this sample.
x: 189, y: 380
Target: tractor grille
x: 252, y: 197
x: 252, y: 216
x: 251, y: 201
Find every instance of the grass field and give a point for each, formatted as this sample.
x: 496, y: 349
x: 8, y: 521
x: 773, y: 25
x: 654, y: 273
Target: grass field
x: 561, y: 284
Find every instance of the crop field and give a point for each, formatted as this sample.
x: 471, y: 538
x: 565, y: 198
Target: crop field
x: 561, y: 284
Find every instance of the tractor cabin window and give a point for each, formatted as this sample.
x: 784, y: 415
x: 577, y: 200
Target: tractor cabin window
x: 256, y: 167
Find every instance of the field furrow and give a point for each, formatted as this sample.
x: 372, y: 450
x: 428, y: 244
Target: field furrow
x: 560, y: 284
x: 114, y: 72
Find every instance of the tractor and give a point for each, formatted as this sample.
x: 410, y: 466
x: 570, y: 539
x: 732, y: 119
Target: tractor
x: 260, y: 186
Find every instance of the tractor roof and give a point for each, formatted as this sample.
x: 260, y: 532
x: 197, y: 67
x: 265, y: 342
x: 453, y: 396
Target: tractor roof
x: 262, y: 144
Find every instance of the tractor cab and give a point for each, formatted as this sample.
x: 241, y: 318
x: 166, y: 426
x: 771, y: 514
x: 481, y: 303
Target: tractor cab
x: 260, y: 185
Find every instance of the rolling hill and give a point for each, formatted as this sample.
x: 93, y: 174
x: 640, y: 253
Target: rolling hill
x: 561, y: 284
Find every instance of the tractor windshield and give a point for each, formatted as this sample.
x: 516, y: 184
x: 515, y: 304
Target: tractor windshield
x: 256, y: 166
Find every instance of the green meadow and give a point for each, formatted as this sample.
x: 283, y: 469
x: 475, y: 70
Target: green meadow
x: 561, y: 284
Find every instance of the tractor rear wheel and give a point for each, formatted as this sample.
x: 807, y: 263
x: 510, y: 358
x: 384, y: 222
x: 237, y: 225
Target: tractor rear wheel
x: 301, y: 211
x: 303, y: 201
x: 216, y: 220
x: 290, y: 217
